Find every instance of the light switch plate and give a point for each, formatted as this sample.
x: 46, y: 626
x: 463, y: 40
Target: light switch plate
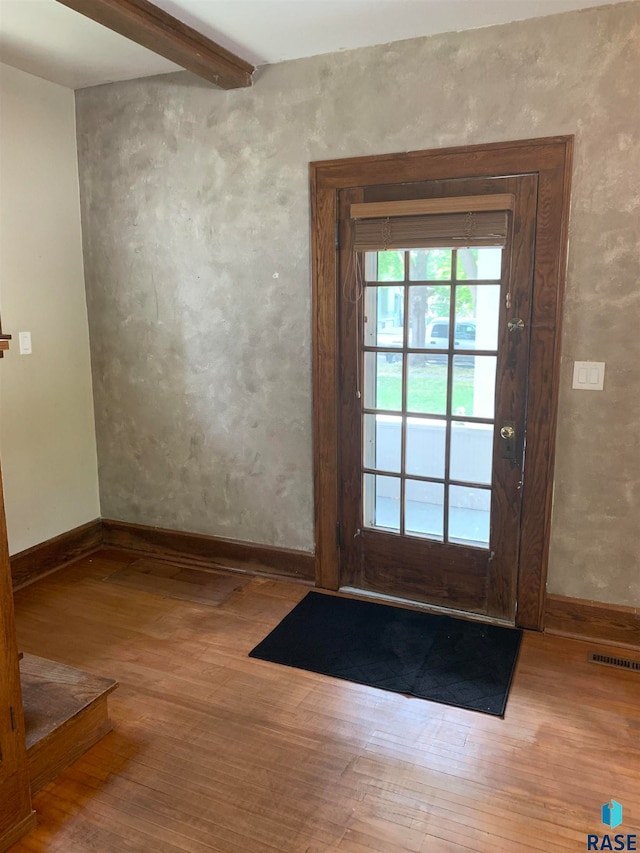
x: 588, y: 375
x: 24, y: 342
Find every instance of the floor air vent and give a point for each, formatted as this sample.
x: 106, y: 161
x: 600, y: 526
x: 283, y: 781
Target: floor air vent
x: 620, y: 663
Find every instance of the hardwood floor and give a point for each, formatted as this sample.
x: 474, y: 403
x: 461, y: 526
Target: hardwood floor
x: 214, y: 751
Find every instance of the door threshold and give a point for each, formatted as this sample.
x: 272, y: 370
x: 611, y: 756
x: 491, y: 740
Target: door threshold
x: 411, y: 604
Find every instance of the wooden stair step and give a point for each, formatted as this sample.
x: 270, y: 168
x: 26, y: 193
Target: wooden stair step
x: 65, y: 711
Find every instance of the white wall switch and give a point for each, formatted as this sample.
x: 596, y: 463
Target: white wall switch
x: 24, y: 340
x: 588, y: 375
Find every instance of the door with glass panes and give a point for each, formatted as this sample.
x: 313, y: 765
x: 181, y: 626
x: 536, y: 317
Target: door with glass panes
x: 436, y: 283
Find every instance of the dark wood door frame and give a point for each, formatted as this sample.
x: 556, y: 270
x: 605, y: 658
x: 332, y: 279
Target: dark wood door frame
x: 550, y: 159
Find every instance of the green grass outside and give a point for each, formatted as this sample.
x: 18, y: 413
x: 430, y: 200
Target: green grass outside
x: 426, y: 388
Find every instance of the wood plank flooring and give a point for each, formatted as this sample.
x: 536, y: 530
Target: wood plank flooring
x: 214, y: 751
x: 199, y: 585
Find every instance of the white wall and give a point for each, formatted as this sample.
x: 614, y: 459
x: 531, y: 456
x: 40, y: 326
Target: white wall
x: 47, y: 434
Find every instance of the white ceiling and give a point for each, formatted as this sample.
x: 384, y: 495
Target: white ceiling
x: 51, y: 41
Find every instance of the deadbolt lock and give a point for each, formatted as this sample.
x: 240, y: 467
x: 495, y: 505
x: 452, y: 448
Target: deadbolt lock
x: 507, y: 432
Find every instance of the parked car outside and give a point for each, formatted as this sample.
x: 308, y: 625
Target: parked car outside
x: 437, y: 337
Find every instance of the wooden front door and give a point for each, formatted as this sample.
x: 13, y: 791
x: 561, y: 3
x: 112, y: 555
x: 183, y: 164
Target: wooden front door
x: 482, y: 543
x: 434, y: 346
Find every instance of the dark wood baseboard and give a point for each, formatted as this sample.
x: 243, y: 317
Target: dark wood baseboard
x: 211, y: 551
x: 612, y: 624
x: 29, y: 565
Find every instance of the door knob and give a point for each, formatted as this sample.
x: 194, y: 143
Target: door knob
x: 508, y: 443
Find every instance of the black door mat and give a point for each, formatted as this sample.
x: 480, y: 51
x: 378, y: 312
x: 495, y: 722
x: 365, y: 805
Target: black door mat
x: 440, y: 658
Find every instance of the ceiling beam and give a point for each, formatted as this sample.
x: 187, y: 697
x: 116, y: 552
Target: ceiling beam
x: 160, y: 32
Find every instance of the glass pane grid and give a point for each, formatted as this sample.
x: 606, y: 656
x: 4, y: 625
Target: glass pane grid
x: 419, y: 479
x: 430, y: 356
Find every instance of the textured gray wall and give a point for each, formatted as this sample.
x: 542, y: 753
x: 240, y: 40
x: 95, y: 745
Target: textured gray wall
x: 196, y: 236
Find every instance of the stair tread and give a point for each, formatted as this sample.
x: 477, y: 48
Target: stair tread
x: 54, y: 693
